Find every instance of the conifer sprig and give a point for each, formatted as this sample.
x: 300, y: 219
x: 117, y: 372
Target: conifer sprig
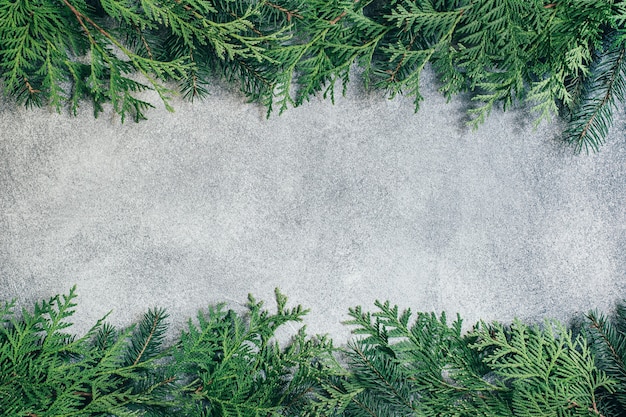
x: 550, y: 371
x: 231, y: 366
x: 607, y: 339
x: 590, y: 122
x: 46, y: 372
x: 604, y: 89
x: 421, y: 33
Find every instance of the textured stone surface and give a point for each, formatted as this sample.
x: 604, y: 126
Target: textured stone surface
x: 335, y: 205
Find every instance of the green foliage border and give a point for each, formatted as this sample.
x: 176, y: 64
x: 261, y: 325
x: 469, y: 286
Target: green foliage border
x: 226, y: 363
x: 564, y: 57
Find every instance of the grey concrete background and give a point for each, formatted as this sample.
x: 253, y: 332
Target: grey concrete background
x: 335, y: 205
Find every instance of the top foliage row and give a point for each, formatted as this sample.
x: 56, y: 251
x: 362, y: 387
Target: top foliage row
x: 563, y: 57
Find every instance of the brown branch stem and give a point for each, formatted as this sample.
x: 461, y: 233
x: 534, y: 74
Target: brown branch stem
x: 155, y: 323
x: 338, y: 18
x: 80, y: 17
x: 31, y: 89
x: 288, y: 13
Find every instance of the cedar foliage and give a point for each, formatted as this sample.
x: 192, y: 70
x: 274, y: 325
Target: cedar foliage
x: 426, y: 367
x: 226, y: 365
x: 561, y: 57
x: 45, y: 371
x: 230, y: 364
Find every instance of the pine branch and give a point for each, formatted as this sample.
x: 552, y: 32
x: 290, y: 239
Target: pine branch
x: 148, y: 338
x: 609, y: 346
x: 590, y: 122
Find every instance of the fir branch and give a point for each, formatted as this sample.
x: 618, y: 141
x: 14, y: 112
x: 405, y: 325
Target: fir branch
x: 149, y: 336
x: 590, y: 121
x: 382, y: 375
x: 608, y: 343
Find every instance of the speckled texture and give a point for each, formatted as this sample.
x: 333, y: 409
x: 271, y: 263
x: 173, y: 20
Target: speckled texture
x: 335, y: 205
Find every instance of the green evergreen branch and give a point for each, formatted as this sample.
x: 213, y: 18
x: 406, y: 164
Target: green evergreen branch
x: 613, y: 341
x: 120, y: 88
x: 590, y: 122
x: 562, y: 53
x: 426, y: 366
x: 151, y: 332
x: 549, y: 370
x: 386, y: 386
x: 289, y: 14
x: 608, y: 343
x: 420, y: 26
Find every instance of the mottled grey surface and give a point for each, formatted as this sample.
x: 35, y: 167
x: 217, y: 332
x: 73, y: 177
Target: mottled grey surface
x: 335, y: 205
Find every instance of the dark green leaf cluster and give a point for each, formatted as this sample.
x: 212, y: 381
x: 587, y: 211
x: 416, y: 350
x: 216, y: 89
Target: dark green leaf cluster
x: 607, y: 339
x: 560, y: 57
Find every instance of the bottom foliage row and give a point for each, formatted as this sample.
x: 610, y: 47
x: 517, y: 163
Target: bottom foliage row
x: 229, y: 364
